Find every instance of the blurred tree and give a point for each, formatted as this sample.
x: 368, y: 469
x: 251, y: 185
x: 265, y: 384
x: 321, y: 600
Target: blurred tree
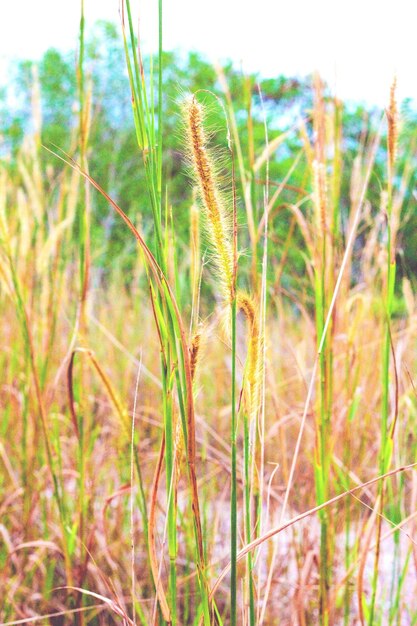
x: 116, y: 163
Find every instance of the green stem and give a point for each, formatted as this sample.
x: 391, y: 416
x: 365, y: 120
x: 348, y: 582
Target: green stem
x: 233, y: 495
x: 248, y: 520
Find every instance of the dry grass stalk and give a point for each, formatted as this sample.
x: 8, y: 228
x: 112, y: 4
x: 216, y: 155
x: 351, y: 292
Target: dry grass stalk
x: 179, y: 435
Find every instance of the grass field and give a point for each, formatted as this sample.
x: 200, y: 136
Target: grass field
x: 214, y: 438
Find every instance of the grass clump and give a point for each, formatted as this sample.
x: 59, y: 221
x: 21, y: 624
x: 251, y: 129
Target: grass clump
x: 157, y: 470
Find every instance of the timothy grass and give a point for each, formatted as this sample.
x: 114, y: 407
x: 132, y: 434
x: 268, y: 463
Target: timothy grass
x: 220, y: 437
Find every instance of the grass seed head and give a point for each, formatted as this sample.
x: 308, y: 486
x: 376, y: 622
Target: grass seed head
x: 254, y: 365
x: 392, y: 115
x: 217, y: 216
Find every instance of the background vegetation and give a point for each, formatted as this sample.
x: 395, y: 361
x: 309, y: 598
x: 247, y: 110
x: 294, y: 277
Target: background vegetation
x: 142, y: 408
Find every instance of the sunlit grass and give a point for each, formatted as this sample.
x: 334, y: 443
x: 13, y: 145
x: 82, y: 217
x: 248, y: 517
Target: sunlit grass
x: 189, y: 443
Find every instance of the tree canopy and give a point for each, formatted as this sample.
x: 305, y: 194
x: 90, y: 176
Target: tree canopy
x: 112, y: 151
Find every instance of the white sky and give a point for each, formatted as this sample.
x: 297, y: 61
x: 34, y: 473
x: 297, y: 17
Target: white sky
x: 357, y: 45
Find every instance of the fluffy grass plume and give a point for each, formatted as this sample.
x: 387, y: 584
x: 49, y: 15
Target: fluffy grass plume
x: 254, y: 364
x: 204, y: 169
x: 392, y: 114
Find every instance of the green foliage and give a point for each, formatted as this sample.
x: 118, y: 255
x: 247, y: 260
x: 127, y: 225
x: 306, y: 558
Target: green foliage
x: 114, y: 160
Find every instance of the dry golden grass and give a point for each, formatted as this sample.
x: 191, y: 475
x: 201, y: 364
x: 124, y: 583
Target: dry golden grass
x: 69, y: 507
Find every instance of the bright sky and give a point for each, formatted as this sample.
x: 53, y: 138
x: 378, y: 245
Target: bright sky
x: 357, y: 45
